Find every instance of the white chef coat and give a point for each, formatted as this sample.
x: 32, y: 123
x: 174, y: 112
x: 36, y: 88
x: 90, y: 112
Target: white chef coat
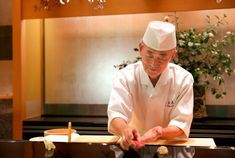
x: 143, y: 106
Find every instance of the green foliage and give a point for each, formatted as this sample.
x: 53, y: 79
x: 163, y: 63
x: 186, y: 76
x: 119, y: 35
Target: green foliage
x: 205, y: 55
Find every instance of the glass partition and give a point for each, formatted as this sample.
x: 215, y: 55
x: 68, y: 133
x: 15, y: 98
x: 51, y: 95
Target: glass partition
x: 80, y: 54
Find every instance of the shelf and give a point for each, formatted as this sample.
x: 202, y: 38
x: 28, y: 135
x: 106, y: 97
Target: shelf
x: 6, y: 97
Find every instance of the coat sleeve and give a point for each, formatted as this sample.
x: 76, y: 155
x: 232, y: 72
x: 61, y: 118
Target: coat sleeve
x: 182, y: 114
x: 120, y: 102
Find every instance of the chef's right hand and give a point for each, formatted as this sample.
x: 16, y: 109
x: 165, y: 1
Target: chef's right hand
x: 129, y: 135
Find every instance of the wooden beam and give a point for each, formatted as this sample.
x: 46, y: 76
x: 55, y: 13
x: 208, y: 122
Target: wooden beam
x: 18, y: 107
x: 83, y: 8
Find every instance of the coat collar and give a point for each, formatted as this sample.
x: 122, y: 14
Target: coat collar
x: 146, y: 81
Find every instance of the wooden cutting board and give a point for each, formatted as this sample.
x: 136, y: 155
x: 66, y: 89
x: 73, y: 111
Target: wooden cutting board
x: 96, y: 139
x: 189, y: 142
x: 114, y: 140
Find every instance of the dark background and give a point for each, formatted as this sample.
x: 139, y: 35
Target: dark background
x: 6, y: 42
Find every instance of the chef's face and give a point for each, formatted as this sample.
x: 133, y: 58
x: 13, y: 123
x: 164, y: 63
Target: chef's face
x: 154, y: 61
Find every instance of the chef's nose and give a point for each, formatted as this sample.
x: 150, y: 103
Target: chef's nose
x: 156, y: 61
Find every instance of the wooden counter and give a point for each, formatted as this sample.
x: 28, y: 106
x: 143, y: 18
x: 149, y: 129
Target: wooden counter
x: 27, y: 149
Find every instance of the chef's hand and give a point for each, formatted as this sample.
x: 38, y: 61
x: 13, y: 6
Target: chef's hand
x: 151, y: 135
x: 130, y: 138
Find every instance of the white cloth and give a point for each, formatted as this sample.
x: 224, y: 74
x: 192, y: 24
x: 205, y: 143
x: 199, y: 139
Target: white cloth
x: 56, y: 138
x: 170, y: 102
x: 61, y: 138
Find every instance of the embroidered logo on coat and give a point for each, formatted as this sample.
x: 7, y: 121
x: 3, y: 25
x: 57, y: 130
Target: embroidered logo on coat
x: 170, y: 104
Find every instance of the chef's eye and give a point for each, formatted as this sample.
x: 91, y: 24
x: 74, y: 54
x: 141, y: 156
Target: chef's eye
x: 164, y: 57
x: 149, y: 56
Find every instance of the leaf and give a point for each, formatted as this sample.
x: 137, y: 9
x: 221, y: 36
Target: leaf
x: 136, y: 49
x: 217, y: 17
x: 217, y: 96
x: 213, y: 90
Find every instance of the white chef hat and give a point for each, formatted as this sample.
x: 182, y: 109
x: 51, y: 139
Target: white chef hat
x: 160, y: 36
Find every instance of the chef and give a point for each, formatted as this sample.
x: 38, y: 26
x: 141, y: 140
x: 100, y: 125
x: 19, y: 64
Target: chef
x: 152, y: 98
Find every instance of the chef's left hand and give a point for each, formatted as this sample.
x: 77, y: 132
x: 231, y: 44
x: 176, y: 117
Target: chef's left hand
x: 151, y: 135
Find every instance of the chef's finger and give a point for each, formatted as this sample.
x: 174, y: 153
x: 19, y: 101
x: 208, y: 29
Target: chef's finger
x: 136, y: 135
x: 137, y: 144
x: 128, y: 138
x: 124, y: 144
x: 146, y: 138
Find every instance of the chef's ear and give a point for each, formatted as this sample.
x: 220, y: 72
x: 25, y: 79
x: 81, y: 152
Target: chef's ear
x: 141, y: 44
x: 174, y: 51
